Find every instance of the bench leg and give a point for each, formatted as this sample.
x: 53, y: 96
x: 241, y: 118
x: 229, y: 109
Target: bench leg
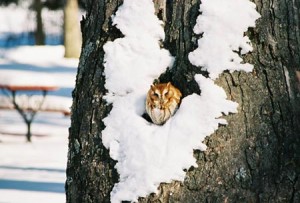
x: 27, y: 116
x: 28, y: 135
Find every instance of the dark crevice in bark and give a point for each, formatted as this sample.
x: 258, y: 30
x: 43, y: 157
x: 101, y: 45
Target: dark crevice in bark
x: 242, y: 104
x: 289, y: 27
x: 294, y: 190
x: 273, y: 17
x: 229, y: 88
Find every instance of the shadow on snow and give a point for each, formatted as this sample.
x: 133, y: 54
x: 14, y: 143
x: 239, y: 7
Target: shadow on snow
x: 32, y: 186
x: 29, y: 67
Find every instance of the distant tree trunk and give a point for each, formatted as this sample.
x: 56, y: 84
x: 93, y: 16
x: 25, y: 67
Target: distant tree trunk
x: 255, y: 158
x: 39, y: 32
x: 72, y: 34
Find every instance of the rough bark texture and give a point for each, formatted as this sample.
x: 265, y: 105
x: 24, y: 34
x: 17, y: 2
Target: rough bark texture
x: 90, y: 171
x: 255, y: 158
x: 72, y: 35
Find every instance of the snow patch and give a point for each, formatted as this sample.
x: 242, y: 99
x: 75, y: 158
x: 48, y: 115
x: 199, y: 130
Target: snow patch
x: 39, y: 56
x: 223, y: 24
x: 26, y: 78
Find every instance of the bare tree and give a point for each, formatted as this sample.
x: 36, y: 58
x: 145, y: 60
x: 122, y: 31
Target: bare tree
x: 255, y: 158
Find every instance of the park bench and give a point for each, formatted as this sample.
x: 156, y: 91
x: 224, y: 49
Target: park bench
x: 29, y: 103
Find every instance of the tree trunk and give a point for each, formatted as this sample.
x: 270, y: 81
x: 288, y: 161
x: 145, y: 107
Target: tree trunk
x: 72, y: 37
x: 90, y: 171
x: 39, y: 32
x: 255, y: 158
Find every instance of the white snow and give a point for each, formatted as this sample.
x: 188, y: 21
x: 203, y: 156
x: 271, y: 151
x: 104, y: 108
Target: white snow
x: 16, y: 196
x: 148, y: 154
x: 31, y: 172
x: 16, y: 18
x: 20, y: 19
x: 41, y: 56
x: 223, y: 23
x: 26, y: 78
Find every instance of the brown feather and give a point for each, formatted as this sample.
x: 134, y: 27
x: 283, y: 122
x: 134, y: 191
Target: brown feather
x: 162, y: 102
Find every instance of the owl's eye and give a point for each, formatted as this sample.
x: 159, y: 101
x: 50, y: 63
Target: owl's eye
x: 166, y: 94
x: 155, y: 94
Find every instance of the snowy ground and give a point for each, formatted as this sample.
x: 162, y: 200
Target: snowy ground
x: 31, y: 172
x: 35, y: 172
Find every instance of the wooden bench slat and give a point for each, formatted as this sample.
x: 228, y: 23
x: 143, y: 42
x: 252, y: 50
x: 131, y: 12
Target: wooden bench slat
x: 28, y: 88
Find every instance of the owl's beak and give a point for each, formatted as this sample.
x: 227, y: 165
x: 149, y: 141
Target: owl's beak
x: 161, y: 104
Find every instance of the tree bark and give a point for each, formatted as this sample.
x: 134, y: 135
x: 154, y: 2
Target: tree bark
x: 72, y: 37
x: 90, y: 170
x: 255, y: 158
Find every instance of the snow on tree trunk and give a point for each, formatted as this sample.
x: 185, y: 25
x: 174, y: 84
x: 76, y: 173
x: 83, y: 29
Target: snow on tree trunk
x: 255, y: 158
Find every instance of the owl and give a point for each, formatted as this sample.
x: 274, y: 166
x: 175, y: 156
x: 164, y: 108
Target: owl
x: 162, y: 101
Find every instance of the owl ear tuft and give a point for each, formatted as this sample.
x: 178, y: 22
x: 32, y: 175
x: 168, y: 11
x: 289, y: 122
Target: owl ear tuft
x: 152, y: 87
x: 168, y: 84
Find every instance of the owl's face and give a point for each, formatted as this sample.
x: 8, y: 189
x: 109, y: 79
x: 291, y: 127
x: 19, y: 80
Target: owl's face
x: 160, y: 95
x: 162, y: 101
